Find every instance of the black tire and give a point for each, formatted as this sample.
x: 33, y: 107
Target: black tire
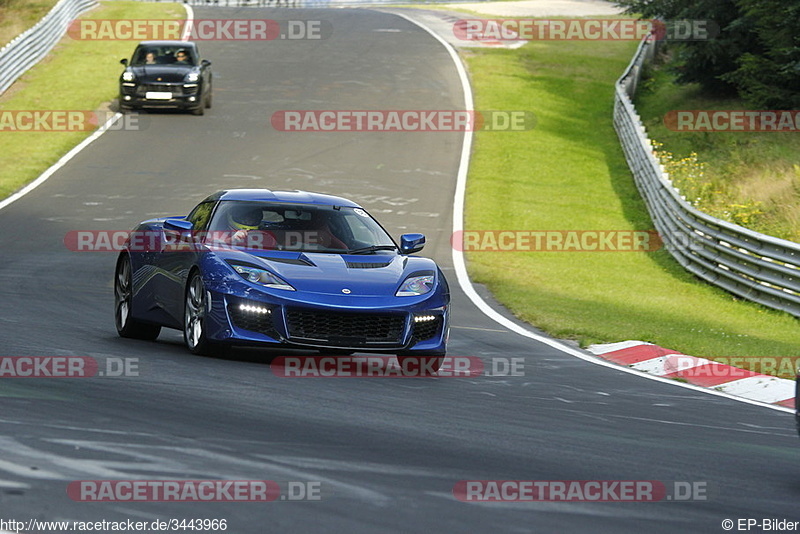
x: 199, y: 110
x: 123, y: 297
x: 194, y: 327
x: 208, y: 99
x: 194, y: 313
x: 421, y: 365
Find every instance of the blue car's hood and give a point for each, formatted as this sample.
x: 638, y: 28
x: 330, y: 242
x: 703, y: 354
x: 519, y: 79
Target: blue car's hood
x: 362, y: 275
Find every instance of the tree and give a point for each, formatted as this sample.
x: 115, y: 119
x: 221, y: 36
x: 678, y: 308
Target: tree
x: 706, y: 61
x: 757, y: 52
x: 768, y: 76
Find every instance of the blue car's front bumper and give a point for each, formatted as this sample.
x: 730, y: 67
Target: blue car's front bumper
x: 238, y: 314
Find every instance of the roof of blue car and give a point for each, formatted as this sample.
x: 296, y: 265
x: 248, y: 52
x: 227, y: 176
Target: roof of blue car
x: 267, y: 195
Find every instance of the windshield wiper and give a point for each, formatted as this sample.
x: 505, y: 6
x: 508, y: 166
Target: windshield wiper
x: 371, y: 248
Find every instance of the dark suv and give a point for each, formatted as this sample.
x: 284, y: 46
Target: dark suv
x: 166, y: 74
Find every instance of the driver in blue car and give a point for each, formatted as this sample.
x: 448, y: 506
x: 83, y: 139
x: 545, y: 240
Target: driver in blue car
x: 245, y: 222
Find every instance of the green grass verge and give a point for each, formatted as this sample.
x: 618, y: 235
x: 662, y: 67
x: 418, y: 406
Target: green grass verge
x: 569, y: 173
x: 748, y: 178
x: 17, y: 16
x: 77, y: 75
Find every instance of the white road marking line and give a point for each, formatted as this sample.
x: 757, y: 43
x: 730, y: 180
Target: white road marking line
x: 477, y: 300
x: 75, y: 151
x: 481, y: 329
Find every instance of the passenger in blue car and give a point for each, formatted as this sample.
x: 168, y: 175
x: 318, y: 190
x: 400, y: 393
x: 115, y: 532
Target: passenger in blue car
x: 310, y: 231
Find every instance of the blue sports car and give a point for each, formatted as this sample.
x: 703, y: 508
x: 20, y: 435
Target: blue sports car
x: 288, y: 269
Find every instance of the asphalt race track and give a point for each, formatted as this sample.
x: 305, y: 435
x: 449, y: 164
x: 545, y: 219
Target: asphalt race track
x: 386, y: 452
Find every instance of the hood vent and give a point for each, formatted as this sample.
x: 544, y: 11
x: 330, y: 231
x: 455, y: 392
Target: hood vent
x: 366, y: 265
x: 291, y: 261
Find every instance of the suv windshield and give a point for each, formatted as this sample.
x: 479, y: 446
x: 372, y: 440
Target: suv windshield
x: 163, y: 55
x: 297, y: 227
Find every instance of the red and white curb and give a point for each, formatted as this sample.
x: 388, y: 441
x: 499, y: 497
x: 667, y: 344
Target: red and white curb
x: 666, y: 363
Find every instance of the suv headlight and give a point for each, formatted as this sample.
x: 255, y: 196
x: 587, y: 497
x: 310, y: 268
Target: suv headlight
x: 416, y: 284
x: 192, y: 77
x: 261, y: 276
x: 128, y: 76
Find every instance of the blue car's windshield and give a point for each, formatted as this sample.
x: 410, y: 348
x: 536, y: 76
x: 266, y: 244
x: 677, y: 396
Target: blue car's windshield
x: 297, y: 227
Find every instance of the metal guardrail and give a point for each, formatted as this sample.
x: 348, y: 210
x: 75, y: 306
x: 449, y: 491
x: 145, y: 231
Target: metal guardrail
x: 753, y: 266
x: 28, y: 48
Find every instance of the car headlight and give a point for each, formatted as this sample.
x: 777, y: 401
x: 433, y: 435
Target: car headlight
x: 128, y: 76
x: 192, y: 77
x: 415, y: 285
x: 261, y: 276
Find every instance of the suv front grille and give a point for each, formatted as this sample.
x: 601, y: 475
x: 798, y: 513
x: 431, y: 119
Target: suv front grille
x: 174, y: 88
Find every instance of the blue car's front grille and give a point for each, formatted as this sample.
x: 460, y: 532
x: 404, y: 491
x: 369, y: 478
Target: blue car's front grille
x: 255, y: 322
x: 344, y: 329
x: 426, y: 330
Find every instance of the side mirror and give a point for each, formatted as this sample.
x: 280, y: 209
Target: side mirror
x: 124, y: 62
x: 411, y: 243
x: 178, y: 224
x: 205, y: 63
